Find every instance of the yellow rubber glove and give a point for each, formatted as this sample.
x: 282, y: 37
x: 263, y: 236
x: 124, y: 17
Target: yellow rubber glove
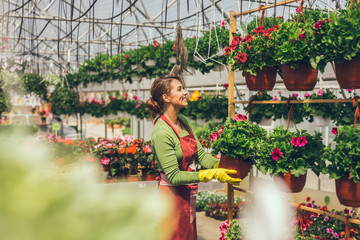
x: 220, y: 174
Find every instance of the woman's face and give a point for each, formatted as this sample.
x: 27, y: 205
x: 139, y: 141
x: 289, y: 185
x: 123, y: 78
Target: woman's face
x: 177, y: 95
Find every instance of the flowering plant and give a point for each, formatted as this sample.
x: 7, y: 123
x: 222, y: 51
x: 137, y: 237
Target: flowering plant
x: 285, y: 151
x: 231, y: 230
x: 341, y: 37
x: 260, y: 111
x: 342, y: 159
x: 295, y: 42
x: 321, y: 226
x: 282, y: 111
x: 324, y: 110
x: 253, y: 52
x: 238, y: 138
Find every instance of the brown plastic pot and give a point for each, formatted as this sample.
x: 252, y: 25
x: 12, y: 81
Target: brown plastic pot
x: 242, y: 167
x: 347, y: 73
x: 133, y: 178
x: 348, y: 192
x: 303, y: 78
x: 294, y: 184
x: 264, y: 79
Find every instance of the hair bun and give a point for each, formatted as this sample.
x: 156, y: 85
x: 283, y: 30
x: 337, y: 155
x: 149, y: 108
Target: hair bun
x: 153, y: 105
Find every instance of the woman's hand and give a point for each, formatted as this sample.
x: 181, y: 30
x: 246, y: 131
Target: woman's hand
x: 220, y: 174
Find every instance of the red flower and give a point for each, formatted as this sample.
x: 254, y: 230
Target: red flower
x: 248, y: 38
x: 227, y: 50
x: 126, y: 96
x: 241, y: 57
x: 240, y: 117
x: 214, y: 136
x: 275, y: 27
x: 235, y: 43
x: 276, y: 154
x: 334, y: 131
x: 301, y: 141
x: 259, y: 29
x: 127, y: 56
x: 226, y: 85
x: 308, y: 199
x: 248, y: 47
x: 112, y: 98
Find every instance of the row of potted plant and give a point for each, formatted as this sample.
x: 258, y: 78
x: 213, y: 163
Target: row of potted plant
x: 288, y: 155
x: 155, y: 59
x: 320, y: 114
x: 205, y: 198
x: 298, y: 47
x: 315, y: 226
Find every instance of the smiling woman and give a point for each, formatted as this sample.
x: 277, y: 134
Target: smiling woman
x: 176, y: 150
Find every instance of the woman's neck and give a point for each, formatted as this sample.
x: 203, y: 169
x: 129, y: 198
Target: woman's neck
x: 171, y: 114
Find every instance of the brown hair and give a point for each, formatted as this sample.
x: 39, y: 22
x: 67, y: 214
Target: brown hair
x: 160, y: 86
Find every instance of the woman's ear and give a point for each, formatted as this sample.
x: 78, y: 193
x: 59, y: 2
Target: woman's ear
x: 165, y: 98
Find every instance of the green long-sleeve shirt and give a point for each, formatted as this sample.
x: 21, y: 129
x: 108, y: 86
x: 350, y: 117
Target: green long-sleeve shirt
x: 168, y: 153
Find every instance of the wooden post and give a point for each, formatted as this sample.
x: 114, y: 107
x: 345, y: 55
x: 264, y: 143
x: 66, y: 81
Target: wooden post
x: 231, y: 110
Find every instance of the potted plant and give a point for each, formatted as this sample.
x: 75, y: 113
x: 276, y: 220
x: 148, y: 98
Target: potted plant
x: 343, y: 164
x: 261, y: 113
x: 288, y: 156
x: 43, y: 116
x: 281, y: 111
x: 321, y: 112
x: 254, y: 55
x: 345, y: 111
x: 298, y: 53
x: 239, y: 142
x: 341, y: 39
x: 147, y: 161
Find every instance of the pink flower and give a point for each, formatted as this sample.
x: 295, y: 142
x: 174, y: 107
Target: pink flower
x: 326, y: 218
x: 51, y: 136
x: 147, y: 149
x: 275, y: 99
x: 214, y: 136
x: 221, y: 129
x: 320, y: 92
x: 301, y: 141
x: 295, y: 95
x: 329, y: 230
x: 276, y: 154
x: 309, y: 205
x: 105, y: 161
x: 334, y: 131
x: 294, y: 141
x: 104, y: 106
x: 222, y: 23
x: 135, y: 98
x: 4, y: 39
x: 127, y: 56
x: 336, y: 235
x: 302, y: 36
x: 156, y: 44
x: 137, y: 106
x: 240, y: 117
x: 306, y: 95
x: 279, y: 92
x: 349, y: 90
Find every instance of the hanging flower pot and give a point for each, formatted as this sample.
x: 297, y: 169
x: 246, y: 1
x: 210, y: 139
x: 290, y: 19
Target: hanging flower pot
x: 243, y: 168
x: 264, y: 79
x: 294, y: 184
x: 321, y: 122
x: 348, y: 192
x: 172, y: 60
x: 303, y: 78
x: 150, y: 63
x: 347, y: 73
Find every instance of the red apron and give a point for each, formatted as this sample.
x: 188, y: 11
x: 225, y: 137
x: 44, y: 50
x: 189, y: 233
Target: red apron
x: 184, y: 195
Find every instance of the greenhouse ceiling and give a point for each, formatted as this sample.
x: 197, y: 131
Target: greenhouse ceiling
x: 51, y: 33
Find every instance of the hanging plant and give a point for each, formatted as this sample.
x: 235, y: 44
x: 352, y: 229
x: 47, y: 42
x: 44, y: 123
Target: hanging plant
x: 260, y: 111
x: 34, y: 83
x: 64, y: 101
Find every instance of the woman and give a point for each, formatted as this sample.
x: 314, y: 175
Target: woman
x: 176, y: 149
